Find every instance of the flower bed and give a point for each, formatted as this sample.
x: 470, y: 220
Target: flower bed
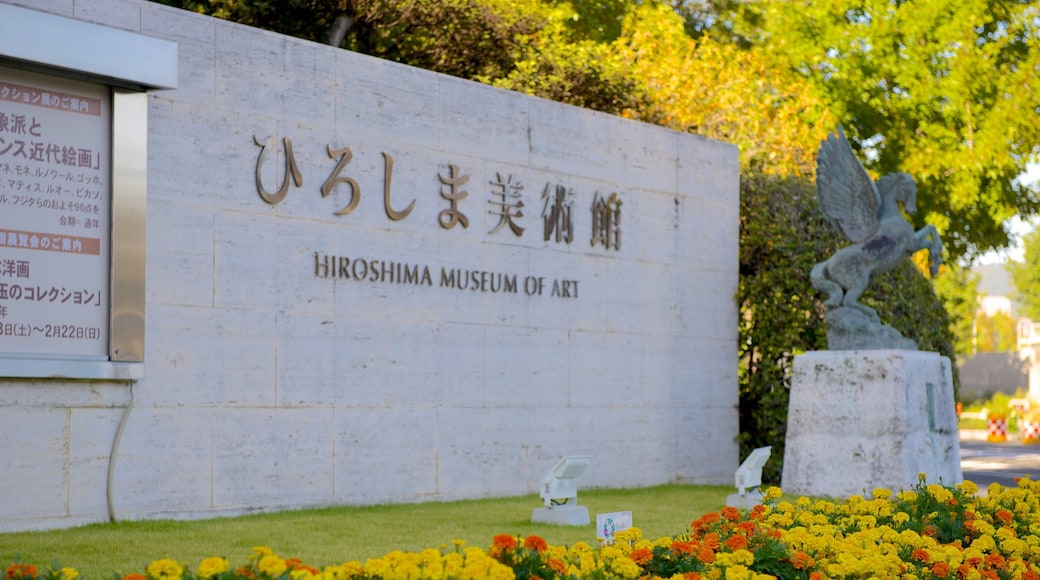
x: 930, y: 531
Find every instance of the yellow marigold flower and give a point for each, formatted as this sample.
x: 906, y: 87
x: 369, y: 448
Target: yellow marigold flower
x: 907, y: 496
x: 881, y: 493
x: 212, y: 566
x: 626, y: 568
x: 939, y: 492
x: 501, y: 572
x: 165, y: 569
x: 260, y: 552
x: 588, y: 563
x: 272, y: 565
x: 301, y: 574
x: 580, y: 547
x: 69, y: 574
x: 738, y: 573
x: 352, y: 568
x: 744, y: 557
x: 628, y: 535
x: 968, y: 487
x: 772, y: 493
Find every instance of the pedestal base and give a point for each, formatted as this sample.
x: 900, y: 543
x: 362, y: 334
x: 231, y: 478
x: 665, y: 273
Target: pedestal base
x: 563, y: 515
x: 860, y: 420
x: 747, y: 501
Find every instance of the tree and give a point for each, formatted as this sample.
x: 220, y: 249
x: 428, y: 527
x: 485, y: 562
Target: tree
x: 720, y: 91
x: 958, y: 288
x: 1026, y: 276
x: 996, y: 333
x: 945, y: 91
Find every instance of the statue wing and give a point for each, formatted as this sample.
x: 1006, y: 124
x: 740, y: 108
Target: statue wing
x: 848, y: 196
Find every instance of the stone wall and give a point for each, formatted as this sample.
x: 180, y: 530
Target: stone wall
x: 274, y: 378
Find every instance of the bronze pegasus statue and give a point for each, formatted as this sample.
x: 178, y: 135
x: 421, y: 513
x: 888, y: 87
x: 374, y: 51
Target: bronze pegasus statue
x: 869, y: 215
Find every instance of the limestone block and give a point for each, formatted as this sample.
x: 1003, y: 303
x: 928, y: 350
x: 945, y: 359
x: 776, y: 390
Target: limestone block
x: 366, y: 473
x: 860, y: 420
x: 184, y: 251
x: 249, y: 473
x: 91, y: 433
x: 36, y: 470
x: 165, y: 463
x: 208, y: 357
x: 640, y: 152
x: 489, y: 113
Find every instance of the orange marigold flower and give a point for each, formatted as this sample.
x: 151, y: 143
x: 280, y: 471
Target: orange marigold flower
x: 711, y: 541
x: 757, y: 512
x: 989, y: 575
x: 973, y: 561
x: 735, y: 543
x: 641, y: 555
x: 504, y: 542
x: 684, y: 547
x: 731, y: 513
x: 135, y: 577
x: 941, y: 569
x: 536, y: 543
x: 921, y: 555
x: 748, y: 528
x: 558, y: 566
x: 17, y: 570
x: 240, y: 571
x: 705, y: 520
x: 996, y: 560
x: 706, y: 555
x: 802, y: 561
x: 691, y: 576
x: 1030, y: 575
x: 1005, y: 516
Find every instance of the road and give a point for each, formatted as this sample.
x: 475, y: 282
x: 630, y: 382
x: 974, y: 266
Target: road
x: 984, y: 463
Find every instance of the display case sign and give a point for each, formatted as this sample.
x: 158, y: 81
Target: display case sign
x: 55, y: 215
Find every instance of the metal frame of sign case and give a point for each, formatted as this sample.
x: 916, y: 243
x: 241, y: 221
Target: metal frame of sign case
x: 130, y: 64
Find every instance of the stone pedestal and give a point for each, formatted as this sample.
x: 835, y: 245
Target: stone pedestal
x: 859, y: 420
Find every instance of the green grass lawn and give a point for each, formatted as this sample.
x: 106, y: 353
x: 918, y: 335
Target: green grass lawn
x: 335, y: 535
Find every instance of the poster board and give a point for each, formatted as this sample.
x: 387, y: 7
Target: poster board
x: 55, y: 215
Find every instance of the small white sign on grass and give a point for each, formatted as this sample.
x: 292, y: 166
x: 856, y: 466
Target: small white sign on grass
x: 611, y: 523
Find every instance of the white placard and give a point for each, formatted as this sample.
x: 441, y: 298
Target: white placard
x: 611, y: 523
x: 55, y: 215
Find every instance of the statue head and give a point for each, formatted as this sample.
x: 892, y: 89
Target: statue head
x: 899, y: 187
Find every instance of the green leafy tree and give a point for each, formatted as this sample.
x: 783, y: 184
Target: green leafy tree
x: 958, y: 288
x: 720, y: 91
x: 1025, y: 276
x: 945, y: 91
